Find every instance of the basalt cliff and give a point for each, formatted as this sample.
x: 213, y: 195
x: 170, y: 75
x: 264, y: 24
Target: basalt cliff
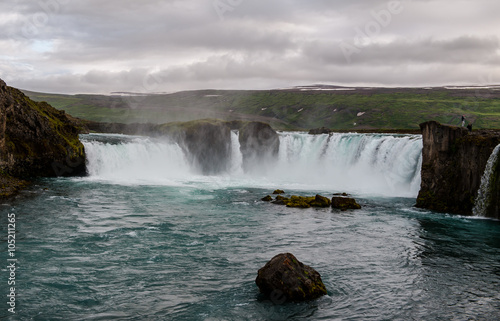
x: 453, y: 163
x: 36, y: 140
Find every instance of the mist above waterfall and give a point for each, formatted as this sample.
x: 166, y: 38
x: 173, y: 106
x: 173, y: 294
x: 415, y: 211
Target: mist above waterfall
x: 374, y: 164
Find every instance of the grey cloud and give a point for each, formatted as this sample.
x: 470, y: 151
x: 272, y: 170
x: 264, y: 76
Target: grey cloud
x: 101, y: 46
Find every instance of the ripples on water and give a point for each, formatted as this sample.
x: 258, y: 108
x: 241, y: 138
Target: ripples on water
x: 92, y: 251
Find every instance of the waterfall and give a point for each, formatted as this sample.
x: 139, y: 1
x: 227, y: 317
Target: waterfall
x: 376, y: 164
x: 133, y: 159
x: 483, y: 198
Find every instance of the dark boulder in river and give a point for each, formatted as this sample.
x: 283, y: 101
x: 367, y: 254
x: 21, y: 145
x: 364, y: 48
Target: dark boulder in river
x: 284, y: 278
x: 345, y: 203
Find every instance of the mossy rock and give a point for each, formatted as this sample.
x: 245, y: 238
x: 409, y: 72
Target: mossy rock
x: 321, y: 201
x: 284, y: 278
x: 279, y: 191
x: 345, y: 203
x: 38, y: 140
x: 9, y: 186
x: 268, y: 198
x: 281, y: 200
x: 300, y: 201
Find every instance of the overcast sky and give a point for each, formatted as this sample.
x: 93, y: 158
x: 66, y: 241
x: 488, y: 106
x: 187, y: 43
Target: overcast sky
x: 91, y: 46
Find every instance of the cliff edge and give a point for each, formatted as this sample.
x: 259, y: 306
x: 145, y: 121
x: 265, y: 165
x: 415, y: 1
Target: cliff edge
x: 453, y: 163
x: 36, y: 140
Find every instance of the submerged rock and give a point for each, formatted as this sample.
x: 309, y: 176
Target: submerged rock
x: 345, y: 203
x: 286, y: 277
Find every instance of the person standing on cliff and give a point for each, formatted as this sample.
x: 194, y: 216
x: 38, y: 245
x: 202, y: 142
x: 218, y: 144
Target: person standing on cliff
x: 463, y: 120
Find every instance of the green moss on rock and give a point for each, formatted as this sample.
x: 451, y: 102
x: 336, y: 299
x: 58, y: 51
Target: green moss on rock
x: 37, y: 139
x: 345, y: 203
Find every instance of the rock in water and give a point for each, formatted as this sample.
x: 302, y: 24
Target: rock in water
x: 268, y: 198
x: 345, y: 203
x: 287, y: 279
x: 259, y: 144
x: 320, y: 201
x: 37, y: 139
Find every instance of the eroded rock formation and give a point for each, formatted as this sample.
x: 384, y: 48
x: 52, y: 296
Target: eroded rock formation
x: 207, y: 143
x: 37, y: 139
x: 453, y: 162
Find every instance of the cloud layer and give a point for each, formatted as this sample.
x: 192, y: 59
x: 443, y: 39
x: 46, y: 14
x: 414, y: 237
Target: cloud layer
x: 162, y: 46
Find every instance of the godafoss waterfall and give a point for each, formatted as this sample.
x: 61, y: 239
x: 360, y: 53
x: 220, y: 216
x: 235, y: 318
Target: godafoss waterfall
x: 147, y: 235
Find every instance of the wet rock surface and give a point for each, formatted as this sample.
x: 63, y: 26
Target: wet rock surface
x: 287, y: 279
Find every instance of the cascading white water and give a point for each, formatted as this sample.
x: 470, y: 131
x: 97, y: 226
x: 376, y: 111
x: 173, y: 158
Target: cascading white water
x: 134, y: 160
x: 358, y: 163
x: 376, y: 164
x: 482, y: 200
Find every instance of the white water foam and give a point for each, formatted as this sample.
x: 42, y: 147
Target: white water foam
x: 482, y: 200
x: 386, y: 165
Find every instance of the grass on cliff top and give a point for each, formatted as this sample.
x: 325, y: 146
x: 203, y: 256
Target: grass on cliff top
x: 293, y: 109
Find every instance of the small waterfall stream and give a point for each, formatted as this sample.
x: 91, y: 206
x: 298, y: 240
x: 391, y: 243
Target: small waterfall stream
x: 483, y: 195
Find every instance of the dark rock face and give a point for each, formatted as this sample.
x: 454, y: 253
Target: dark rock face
x: 345, y: 203
x: 207, y: 143
x: 259, y: 144
x: 453, y: 162
x: 37, y: 139
x: 287, y: 279
x: 319, y: 131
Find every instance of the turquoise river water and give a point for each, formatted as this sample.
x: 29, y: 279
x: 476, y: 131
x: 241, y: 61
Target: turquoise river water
x: 146, y: 237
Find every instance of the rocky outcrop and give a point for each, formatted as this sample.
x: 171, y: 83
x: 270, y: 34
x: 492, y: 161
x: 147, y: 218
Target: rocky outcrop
x: 338, y: 202
x: 345, y: 203
x: 453, y: 162
x: 207, y: 143
x: 319, y: 131
x: 37, y: 139
x: 259, y: 144
x: 284, y: 278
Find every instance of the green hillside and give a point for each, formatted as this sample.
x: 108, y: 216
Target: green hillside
x: 300, y: 108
